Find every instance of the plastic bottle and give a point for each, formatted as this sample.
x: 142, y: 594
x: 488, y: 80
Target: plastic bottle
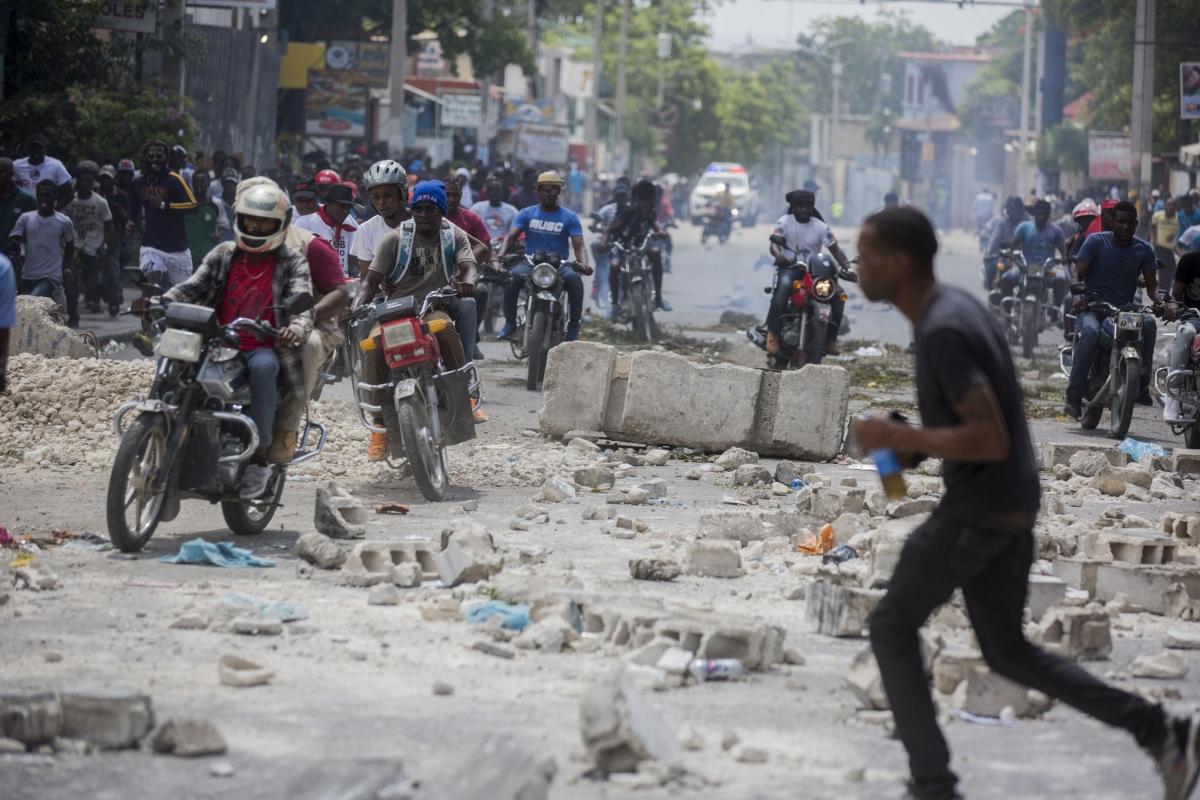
x: 890, y: 473
x: 721, y: 669
x: 797, y: 483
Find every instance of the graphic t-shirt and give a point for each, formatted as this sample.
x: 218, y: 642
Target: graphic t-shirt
x: 1165, y: 229
x: 801, y: 236
x: 1038, y: 245
x: 248, y: 294
x: 498, y: 219
x: 1187, y: 272
x: 45, y: 239
x: 548, y: 231
x: 89, y: 215
x: 201, y: 228
x: 27, y: 175
x: 340, y: 237
x: 425, y: 271
x: 165, y: 230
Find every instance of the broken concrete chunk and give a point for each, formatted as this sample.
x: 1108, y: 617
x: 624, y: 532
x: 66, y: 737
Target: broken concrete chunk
x: 747, y: 754
x: 595, y: 477
x: 32, y: 718
x: 384, y: 594
x: 548, y: 635
x: 339, y: 514
x: 36, y: 578
x: 1186, y: 461
x: 556, y: 490
x: 1088, y: 462
x: 111, y: 720
x: 950, y: 668
x: 989, y: 693
x: 1167, y: 666
x: 840, y: 610
x: 713, y: 558
x: 407, y: 575
x: 863, y: 679
x: 10, y: 746
x: 190, y: 622
x: 320, y: 550
x: 735, y: 457
x: 499, y: 769
x: 675, y: 661
x: 657, y: 568
x: 1045, y: 592
x: 468, y: 554
x: 751, y: 475
x: 1182, y: 640
x: 1109, y: 481
x: 636, y: 496
x: 258, y: 626
x: 241, y: 672
x: 1080, y: 633
x: 620, y: 728
x: 583, y: 445
x: 655, y: 487
x: 188, y: 738
x: 656, y: 457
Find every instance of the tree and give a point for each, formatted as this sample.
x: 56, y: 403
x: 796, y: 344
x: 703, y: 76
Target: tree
x: 1063, y: 148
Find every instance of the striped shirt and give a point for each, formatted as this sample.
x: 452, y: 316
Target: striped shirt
x: 164, y: 230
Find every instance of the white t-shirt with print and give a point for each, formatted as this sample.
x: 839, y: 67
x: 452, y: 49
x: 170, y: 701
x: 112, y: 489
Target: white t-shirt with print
x: 342, y: 246
x: 367, y: 238
x: 27, y: 175
x: 811, y: 236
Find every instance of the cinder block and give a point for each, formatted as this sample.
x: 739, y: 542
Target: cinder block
x: 1045, y: 592
x: 370, y: 563
x: 840, y: 610
x: 1080, y: 633
x: 808, y: 418
x: 1186, y: 461
x: 1134, y: 548
x: 109, y: 720
x: 1145, y: 585
x: 1059, y: 453
x: 31, y: 718
x: 575, y: 389
x: 713, y: 558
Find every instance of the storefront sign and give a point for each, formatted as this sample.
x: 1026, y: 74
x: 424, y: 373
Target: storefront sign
x: 542, y: 144
x: 136, y: 16
x: 461, y: 110
x: 1108, y: 156
x: 336, y: 103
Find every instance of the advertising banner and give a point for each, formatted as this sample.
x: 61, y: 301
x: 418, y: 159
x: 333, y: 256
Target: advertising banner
x: 1108, y: 156
x: 135, y: 16
x: 461, y: 110
x: 1189, y: 90
x: 336, y: 103
x: 542, y: 144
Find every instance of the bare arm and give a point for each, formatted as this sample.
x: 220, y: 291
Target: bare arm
x: 1152, y: 285
x: 332, y: 304
x: 368, y: 287
x: 509, y: 238
x: 581, y: 255
x: 839, y: 255
x: 980, y: 438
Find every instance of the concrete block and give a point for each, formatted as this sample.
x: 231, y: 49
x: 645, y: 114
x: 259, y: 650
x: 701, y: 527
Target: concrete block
x: 746, y: 526
x: 500, y: 768
x: 658, y: 568
x: 620, y: 729
x: 384, y: 594
x: 951, y: 667
x: 371, y: 562
x: 339, y: 514
x: 751, y: 475
x: 464, y: 562
x: 407, y: 575
x: 1079, y: 633
x: 713, y: 558
x: 675, y: 661
x: 1060, y: 453
x: 712, y: 636
x: 1186, y: 461
x: 735, y: 457
x: 576, y: 386
x: 111, y: 720
x: 655, y: 487
x: 320, y: 551
x: 188, y: 738
x: 840, y: 610
x: 808, y: 416
x: 41, y: 329
x: 671, y: 400
x: 596, y: 477
x: 1134, y: 548
x: 1145, y: 585
x: 1045, y: 592
x: 864, y: 680
x: 31, y: 718
x: 1165, y: 666
x: 989, y: 693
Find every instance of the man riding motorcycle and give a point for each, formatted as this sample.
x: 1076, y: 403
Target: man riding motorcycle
x: 422, y: 254
x: 630, y: 225
x: 604, y: 218
x: 1038, y: 239
x: 803, y: 231
x: 1014, y: 215
x: 252, y: 277
x: 1109, y: 264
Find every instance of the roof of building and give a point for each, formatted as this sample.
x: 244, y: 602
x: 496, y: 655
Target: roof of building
x: 968, y: 55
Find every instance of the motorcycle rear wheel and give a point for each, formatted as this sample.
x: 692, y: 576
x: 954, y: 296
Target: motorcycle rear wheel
x: 1123, y: 399
x: 536, y: 351
x: 427, y: 458
x: 249, y: 519
x: 1029, y: 330
x: 141, y: 453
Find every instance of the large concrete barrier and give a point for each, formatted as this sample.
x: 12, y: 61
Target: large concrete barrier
x: 40, y: 330
x: 662, y: 398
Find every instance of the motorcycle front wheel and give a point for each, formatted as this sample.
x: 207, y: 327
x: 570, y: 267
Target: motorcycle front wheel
x: 427, y: 458
x: 642, y: 321
x: 536, y: 350
x: 1121, y: 411
x: 141, y: 454
x: 246, y: 518
x: 814, y: 348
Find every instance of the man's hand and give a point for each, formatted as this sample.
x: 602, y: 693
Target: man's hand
x: 876, y: 432
x: 1078, y: 304
x: 464, y: 288
x: 782, y: 261
x: 586, y: 269
x: 287, y: 339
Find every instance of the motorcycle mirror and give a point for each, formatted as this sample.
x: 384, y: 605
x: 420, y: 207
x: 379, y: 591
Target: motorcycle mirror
x: 298, y: 303
x: 778, y: 239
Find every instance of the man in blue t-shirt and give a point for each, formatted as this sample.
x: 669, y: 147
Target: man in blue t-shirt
x: 1039, y: 239
x: 1109, y: 264
x: 1188, y: 215
x: 548, y: 228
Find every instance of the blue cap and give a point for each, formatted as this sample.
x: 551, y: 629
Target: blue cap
x: 430, y: 192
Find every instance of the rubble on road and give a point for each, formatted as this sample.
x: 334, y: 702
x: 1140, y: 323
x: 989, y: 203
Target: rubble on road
x: 620, y: 728
x: 338, y: 514
x: 320, y: 551
x: 111, y: 720
x: 660, y: 568
x: 188, y: 738
x: 41, y: 329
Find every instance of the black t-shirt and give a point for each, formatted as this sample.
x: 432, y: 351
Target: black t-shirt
x: 1187, y: 271
x: 634, y: 224
x: 959, y: 345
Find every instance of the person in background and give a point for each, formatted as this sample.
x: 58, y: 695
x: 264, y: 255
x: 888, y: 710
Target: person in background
x: 526, y: 195
x: 984, y: 207
x: 576, y: 185
x: 118, y: 206
x: 496, y: 214
x: 226, y: 198
x: 1185, y: 292
x: 93, y: 221
x: 630, y: 226
x: 208, y: 224
x: 1164, y: 228
x: 1002, y: 234
x: 163, y: 198
x: 462, y: 176
x: 387, y: 190
x: 8, y: 315
x: 980, y: 537
x: 14, y: 201
x: 333, y: 223
x: 324, y: 180
x: 36, y: 167
x: 1189, y: 214
x: 1038, y: 239
x: 47, y: 237
x: 469, y: 221
x: 304, y: 196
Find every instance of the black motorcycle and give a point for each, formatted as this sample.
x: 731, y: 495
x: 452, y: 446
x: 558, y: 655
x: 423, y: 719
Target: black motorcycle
x: 636, y: 282
x: 1029, y: 308
x: 717, y: 222
x: 542, y: 317
x: 807, y: 323
x: 192, y: 436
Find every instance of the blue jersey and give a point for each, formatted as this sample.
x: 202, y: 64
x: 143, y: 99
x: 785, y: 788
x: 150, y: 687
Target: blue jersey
x: 1038, y: 245
x: 548, y: 231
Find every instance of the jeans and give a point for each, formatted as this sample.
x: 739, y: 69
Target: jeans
x: 101, y: 279
x: 1088, y: 342
x: 264, y: 392
x: 463, y: 311
x: 1181, y: 350
x: 600, y: 279
x: 989, y: 559
x: 112, y: 287
x: 570, y: 277
x: 37, y: 287
x: 781, y: 297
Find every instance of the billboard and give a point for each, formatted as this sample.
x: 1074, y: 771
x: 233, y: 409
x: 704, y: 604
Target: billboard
x: 369, y: 58
x: 461, y: 110
x: 542, y: 144
x: 136, y: 16
x: 336, y: 103
x: 1108, y: 156
x: 1189, y: 90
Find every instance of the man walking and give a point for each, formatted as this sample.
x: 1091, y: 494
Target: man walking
x: 47, y: 238
x: 980, y: 537
x: 93, y: 221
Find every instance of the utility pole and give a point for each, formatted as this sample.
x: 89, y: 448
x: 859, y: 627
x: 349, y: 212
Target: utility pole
x: 1026, y: 80
x: 1141, y: 121
x: 622, y: 55
x: 1038, y: 94
x: 664, y: 53
x: 250, y: 149
x: 483, y: 134
x: 592, y: 123
x: 172, y: 29
x: 833, y: 112
x: 399, y: 69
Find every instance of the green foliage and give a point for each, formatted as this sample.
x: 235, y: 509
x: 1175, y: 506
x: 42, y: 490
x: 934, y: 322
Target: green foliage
x: 994, y: 95
x: 1063, y: 148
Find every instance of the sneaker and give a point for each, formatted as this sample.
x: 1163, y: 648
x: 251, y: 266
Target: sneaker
x: 831, y: 349
x: 662, y: 305
x: 377, y: 446
x: 480, y: 416
x: 572, y: 332
x: 1073, y: 409
x: 916, y: 793
x: 254, y: 481
x: 1176, y: 758
x: 507, y: 331
x: 114, y: 310
x: 1172, y: 410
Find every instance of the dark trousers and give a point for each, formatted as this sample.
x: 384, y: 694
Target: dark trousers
x: 101, y: 279
x: 989, y: 559
x: 780, y: 297
x: 571, y: 279
x: 656, y: 272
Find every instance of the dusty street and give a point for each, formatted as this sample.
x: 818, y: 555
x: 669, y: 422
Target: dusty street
x: 353, y: 692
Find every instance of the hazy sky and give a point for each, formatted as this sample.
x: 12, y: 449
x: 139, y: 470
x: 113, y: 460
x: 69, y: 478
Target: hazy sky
x: 777, y: 22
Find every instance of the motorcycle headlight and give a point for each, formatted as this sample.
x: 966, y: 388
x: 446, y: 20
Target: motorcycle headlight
x: 823, y: 288
x: 180, y: 345
x: 544, y: 276
x: 398, y: 335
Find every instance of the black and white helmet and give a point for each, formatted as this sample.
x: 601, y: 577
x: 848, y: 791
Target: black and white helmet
x: 383, y: 173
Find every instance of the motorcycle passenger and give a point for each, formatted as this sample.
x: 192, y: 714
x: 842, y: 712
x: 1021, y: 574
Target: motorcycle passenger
x: 252, y: 277
x: 724, y: 203
x: 549, y: 228
x: 1083, y: 215
x: 1185, y: 291
x: 1014, y: 215
x: 423, y: 254
x: 803, y: 231
x: 1109, y: 264
x: 1039, y: 239
x: 629, y: 227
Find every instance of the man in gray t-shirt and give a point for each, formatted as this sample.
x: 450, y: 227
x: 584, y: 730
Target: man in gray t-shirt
x: 48, y: 238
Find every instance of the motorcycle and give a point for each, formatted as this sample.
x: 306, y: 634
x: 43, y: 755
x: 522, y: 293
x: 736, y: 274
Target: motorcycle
x: 636, y: 284
x: 1029, y: 309
x: 193, y: 437
x: 1184, y: 386
x: 717, y: 222
x: 1114, y: 374
x: 426, y: 407
x: 807, y: 321
x: 489, y: 292
x: 542, y: 317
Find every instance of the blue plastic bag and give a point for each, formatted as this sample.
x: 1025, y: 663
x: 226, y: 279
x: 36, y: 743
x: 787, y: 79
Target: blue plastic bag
x: 516, y: 616
x: 1136, y: 449
x: 217, y: 554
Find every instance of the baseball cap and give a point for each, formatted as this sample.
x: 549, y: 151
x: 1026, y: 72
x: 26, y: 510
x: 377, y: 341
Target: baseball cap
x: 37, y: 139
x: 231, y: 174
x: 108, y: 170
x: 124, y: 165
x: 339, y: 193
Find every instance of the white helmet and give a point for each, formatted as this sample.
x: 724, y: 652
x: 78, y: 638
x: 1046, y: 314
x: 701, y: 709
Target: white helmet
x: 266, y: 201
x: 384, y: 173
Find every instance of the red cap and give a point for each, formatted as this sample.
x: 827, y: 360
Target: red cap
x: 327, y: 177
x: 1108, y: 204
